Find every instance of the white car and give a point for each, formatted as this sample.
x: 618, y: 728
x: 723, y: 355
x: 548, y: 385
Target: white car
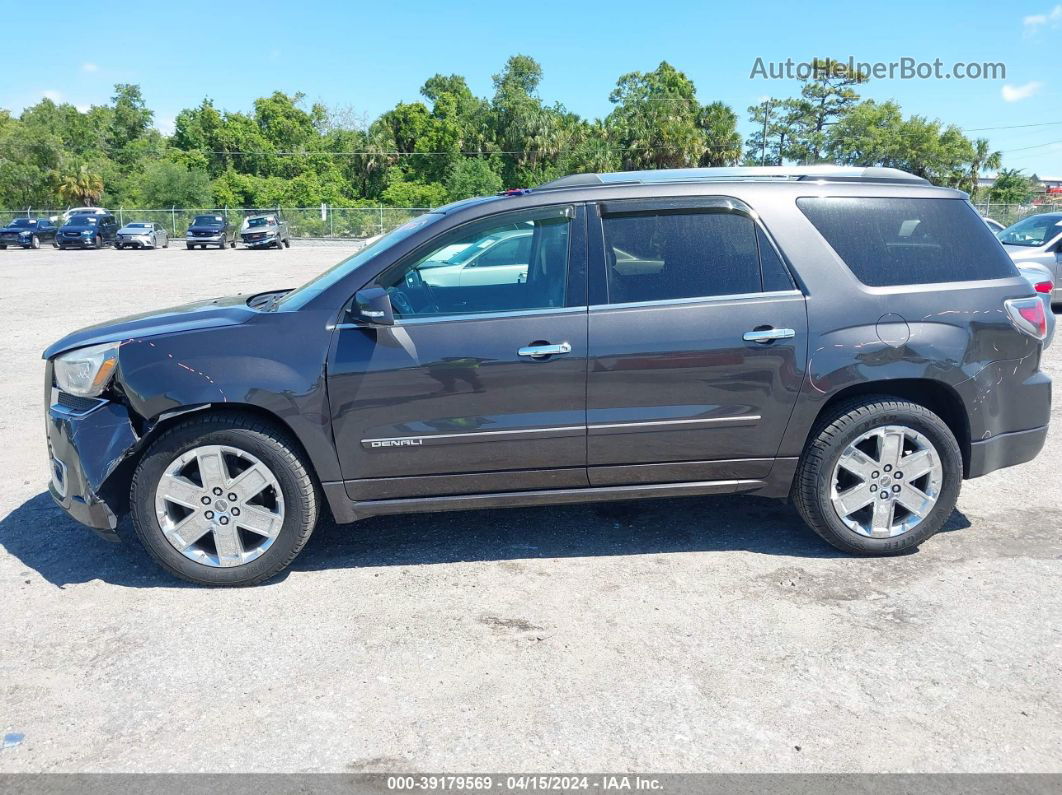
x: 1037, y: 239
x: 497, y: 259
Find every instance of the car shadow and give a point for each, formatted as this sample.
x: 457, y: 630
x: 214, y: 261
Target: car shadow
x: 46, y: 541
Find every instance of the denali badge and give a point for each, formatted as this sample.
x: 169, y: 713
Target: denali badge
x: 396, y: 442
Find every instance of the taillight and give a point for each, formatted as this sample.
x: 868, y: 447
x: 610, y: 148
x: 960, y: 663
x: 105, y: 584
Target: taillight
x: 1027, y: 315
x: 1043, y: 287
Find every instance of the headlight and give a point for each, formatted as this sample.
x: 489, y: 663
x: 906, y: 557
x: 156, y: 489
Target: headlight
x: 86, y: 371
x: 86, y: 232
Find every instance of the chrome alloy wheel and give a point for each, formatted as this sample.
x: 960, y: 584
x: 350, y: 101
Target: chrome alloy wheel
x: 219, y: 506
x: 886, y: 481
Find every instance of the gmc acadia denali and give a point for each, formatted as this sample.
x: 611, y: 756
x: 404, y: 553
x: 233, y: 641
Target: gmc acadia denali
x: 854, y: 339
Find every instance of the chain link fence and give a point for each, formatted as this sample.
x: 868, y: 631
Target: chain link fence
x: 341, y: 223
x: 1008, y: 214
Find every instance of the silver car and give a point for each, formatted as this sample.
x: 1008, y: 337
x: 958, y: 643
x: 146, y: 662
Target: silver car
x: 142, y: 234
x: 1037, y: 239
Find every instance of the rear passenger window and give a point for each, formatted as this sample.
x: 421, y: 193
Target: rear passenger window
x: 887, y: 242
x: 664, y: 255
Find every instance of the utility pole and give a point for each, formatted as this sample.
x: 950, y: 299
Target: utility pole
x: 763, y: 143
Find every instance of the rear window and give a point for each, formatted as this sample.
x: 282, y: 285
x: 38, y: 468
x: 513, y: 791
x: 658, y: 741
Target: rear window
x: 887, y: 242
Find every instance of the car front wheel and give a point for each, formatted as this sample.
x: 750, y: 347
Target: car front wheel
x: 224, y: 500
x: 879, y: 476
x: 35, y: 242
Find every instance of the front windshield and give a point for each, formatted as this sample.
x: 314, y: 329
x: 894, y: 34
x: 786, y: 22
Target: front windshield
x: 298, y: 297
x: 207, y: 220
x: 138, y: 226
x: 262, y: 221
x: 22, y: 222
x: 83, y: 220
x: 1032, y: 232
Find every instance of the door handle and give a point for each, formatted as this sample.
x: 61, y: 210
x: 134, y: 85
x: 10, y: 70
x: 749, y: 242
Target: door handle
x: 541, y: 351
x: 765, y: 335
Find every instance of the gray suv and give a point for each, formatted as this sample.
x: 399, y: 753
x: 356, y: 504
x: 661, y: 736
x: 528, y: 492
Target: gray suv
x: 855, y: 340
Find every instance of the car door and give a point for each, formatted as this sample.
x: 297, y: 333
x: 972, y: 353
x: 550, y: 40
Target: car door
x: 474, y: 389
x: 697, y: 343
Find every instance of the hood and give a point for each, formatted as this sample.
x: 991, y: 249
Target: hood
x: 1018, y: 252
x: 205, y: 227
x: 212, y: 313
x: 80, y: 225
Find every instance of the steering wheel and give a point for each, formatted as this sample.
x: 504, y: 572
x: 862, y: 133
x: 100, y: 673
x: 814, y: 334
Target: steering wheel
x: 415, y: 283
x: 401, y: 303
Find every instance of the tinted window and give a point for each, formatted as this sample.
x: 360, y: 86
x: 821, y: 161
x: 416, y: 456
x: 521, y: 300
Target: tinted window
x: 207, y: 220
x: 530, y: 272
x: 908, y: 241
x: 775, y: 274
x: 669, y: 255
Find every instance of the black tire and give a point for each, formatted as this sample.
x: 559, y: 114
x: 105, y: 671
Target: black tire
x: 3, y: 247
x: 830, y: 437
x: 190, y: 246
x: 232, y: 244
x: 99, y: 242
x: 35, y: 242
x: 274, y: 448
x: 287, y: 244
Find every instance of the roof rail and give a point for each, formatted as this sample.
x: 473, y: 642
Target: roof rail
x: 828, y: 173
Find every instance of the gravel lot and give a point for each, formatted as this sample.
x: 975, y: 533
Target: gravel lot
x: 702, y: 634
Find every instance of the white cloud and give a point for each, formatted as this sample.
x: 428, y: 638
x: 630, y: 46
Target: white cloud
x: 83, y: 108
x: 1018, y: 93
x: 88, y: 66
x: 1034, y: 22
x: 53, y: 95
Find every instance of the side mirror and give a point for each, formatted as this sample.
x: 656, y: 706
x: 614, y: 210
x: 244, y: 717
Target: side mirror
x: 373, y: 305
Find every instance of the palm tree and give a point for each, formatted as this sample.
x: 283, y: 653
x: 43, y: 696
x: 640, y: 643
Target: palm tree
x: 80, y: 186
x: 983, y: 160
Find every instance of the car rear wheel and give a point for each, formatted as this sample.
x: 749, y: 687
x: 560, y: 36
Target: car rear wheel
x: 879, y: 476
x: 224, y: 500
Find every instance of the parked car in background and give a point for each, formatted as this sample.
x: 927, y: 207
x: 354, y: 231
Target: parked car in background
x: 66, y: 216
x: 265, y: 230
x: 87, y: 230
x: 994, y: 225
x: 1037, y: 238
x: 27, y: 233
x: 210, y: 230
x: 703, y: 366
x: 142, y: 234
x: 502, y: 259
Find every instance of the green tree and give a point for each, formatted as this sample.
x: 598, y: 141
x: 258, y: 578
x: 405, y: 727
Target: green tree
x: 169, y: 184
x: 79, y: 185
x: 1011, y: 186
x: 472, y: 176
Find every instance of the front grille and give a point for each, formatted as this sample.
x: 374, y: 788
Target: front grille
x: 256, y: 236
x: 76, y: 402
x: 204, y: 234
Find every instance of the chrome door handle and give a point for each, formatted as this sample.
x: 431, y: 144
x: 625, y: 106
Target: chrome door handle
x: 768, y: 335
x: 535, y: 351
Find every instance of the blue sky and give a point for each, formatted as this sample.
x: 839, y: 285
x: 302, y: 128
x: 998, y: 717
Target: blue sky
x: 369, y: 56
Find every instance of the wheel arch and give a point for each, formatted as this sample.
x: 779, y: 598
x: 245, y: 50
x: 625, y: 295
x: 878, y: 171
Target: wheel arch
x: 115, y: 489
x: 937, y: 396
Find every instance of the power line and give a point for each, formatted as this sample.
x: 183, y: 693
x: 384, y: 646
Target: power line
x: 1036, y: 146
x: 1011, y: 126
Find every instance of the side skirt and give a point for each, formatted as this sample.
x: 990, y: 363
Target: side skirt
x: 346, y: 510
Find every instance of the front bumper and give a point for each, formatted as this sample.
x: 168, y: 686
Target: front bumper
x: 25, y: 242
x: 213, y: 240
x: 134, y: 242
x: 84, y: 448
x: 261, y: 243
x: 76, y: 242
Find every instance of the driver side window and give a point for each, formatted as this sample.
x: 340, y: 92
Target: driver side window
x: 510, y: 263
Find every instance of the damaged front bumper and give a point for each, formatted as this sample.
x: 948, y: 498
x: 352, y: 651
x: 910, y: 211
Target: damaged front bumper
x: 87, y: 440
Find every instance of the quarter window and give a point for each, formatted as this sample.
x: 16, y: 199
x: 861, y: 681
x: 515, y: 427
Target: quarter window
x: 517, y: 263
x: 667, y: 255
x: 888, y: 242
